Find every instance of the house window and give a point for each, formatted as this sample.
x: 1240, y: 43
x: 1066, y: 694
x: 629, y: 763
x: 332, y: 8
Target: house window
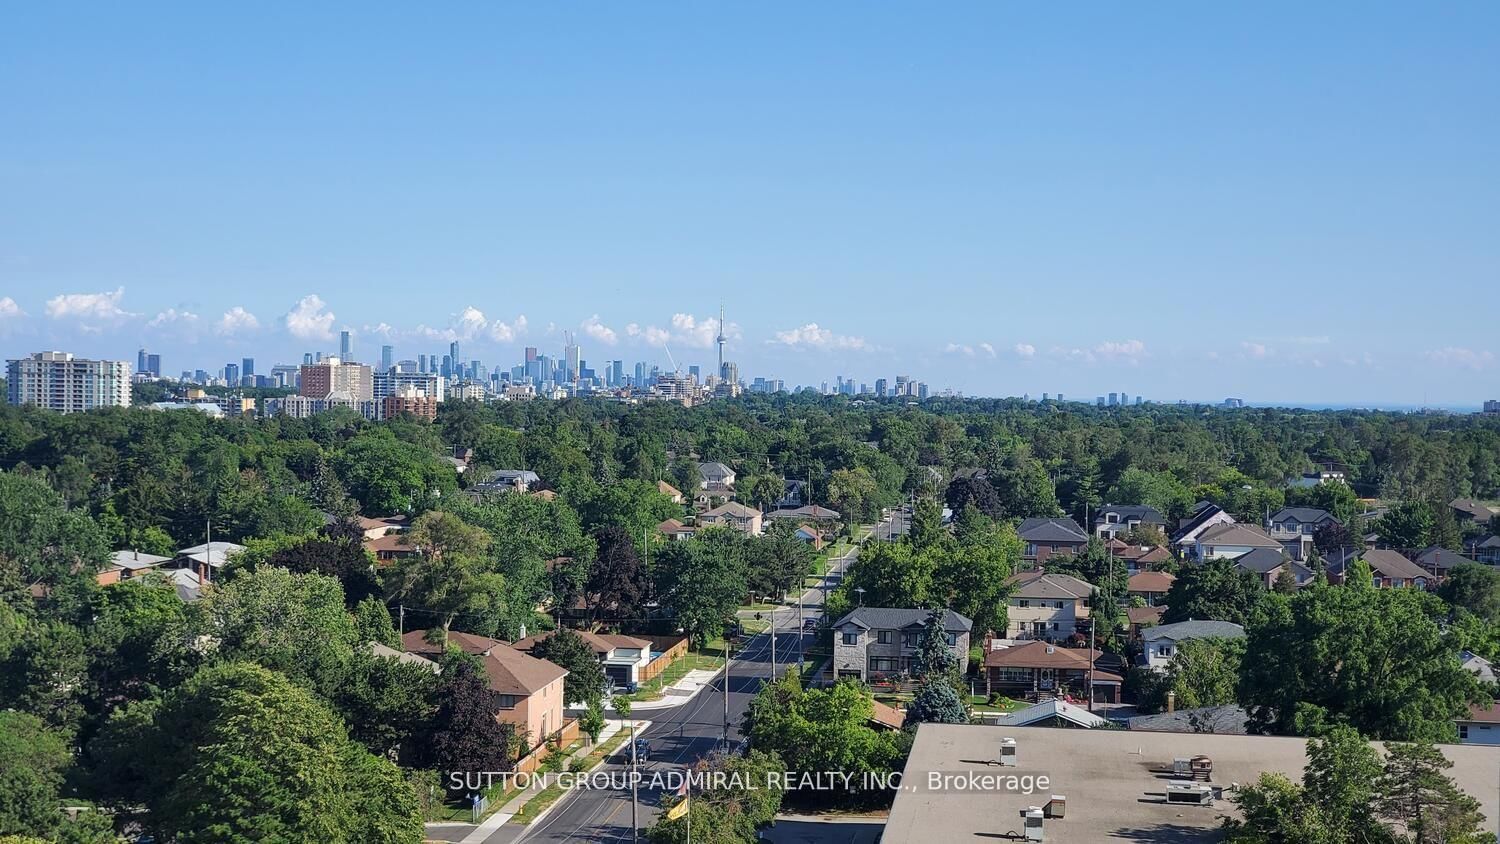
x: 952, y: 639
x: 1164, y: 650
x: 1054, y: 625
x: 1031, y: 549
x: 851, y: 638
x: 884, y: 637
x: 883, y: 665
x: 908, y: 640
x: 1023, y: 603
x: 507, y: 701
x: 1059, y: 604
x: 1463, y: 732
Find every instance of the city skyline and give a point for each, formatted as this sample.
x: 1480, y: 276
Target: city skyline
x: 997, y: 200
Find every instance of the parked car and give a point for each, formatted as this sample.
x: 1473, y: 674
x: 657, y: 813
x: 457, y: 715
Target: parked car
x: 809, y: 624
x: 642, y: 750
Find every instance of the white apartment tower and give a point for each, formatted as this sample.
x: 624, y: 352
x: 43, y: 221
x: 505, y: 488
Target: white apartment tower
x: 58, y: 381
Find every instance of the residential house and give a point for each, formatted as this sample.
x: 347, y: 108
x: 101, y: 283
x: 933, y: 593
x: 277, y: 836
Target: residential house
x: 188, y: 584
x: 886, y: 717
x: 1150, y: 586
x: 528, y: 691
x: 1475, y: 512
x: 1140, y: 619
x: 1231, y: 540
x: 1486, y: 550
x: 623, y: 657
x: 1391, y: 570
x: 1481, y: 726
x: 1294, y: 527
x: 811, y: 535
x: 746, y: 520
x: 1477, y: 665
x: 422, y: 662
x: 381, y: 525
x: 1116, y: 519
x: 207, y: 559
x: 872, y: 641
x: 715, y: 475
x: 675, y: 530
x: 1035, y: 670
x: 669, y: 491
x: 1205, y: 517
x: 793, y: 495
x: 508, y: 480
x: 815, y: 513
x: 128, y: 564
x: 1228, y: 719
x: 1046, y: 606
x: 1161, y: 641
x: 1049, y: 537
x: 1439, y: 561
x: 389, y: 548
x: 1268, y: 563
x: 1137, y: 558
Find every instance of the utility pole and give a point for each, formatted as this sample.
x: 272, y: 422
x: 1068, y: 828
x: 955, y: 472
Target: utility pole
x: 401, y: 625
x: 635, y: 805
x: 1093, y: 622
x: 773, y: 644
x: 727, y: 662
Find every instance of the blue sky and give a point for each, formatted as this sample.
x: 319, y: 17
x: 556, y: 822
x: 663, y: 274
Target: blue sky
x: 1282, y: 201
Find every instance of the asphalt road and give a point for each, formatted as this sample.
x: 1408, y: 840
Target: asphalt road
x: 679, y: 737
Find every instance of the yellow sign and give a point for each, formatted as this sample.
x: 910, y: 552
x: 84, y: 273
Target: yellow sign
x: 679, y: 810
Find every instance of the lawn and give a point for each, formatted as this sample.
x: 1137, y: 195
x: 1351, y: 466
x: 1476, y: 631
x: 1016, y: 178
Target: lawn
x: 704, y: 660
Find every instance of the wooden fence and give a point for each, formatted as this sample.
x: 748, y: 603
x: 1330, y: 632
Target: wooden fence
x: 672, y: 648
x: 532, y: 761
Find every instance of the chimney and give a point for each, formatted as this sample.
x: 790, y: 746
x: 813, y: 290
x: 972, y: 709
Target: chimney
x: 1171, y: 702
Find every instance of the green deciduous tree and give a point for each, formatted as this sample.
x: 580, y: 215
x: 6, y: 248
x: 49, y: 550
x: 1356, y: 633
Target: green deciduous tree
x: 585, y: 681
x: 1216, y: 590
x: 1373, y: 659
x: 240, y: 753
x: 32, y: 761
x: 702, y: 580
x: 1407, y: 525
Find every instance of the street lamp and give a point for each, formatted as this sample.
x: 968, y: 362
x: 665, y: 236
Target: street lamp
x: 860, y: 591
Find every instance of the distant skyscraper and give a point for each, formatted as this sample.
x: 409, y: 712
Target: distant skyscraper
x: 247, y: 366
x: 880, y: 387
x: 387, y: 354
x: 140, y: 361
x: 346, y: 346
x: 617, y: 373
x: 640, y: 373
x: 421, y: 363
x: 458, y: 359
x: 697, y: 373
x: 1114, y: 399
x: 530, y: 353
x: 153, y: 365
x: 570, y: 359
x: 447, y: 366
x: 307, y: 358
x: 232, y: 374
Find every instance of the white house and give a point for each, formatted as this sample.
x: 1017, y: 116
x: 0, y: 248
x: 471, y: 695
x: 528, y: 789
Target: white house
x: 1045, y: 606
x: 1232, y: 540
x: 1161, y: 641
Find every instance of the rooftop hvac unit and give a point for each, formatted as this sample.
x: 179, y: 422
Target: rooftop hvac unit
x: 1192, y: 793
x: 1196, y: 768
x: 1057, y: 807
x: 1031, y: 824
x: 1008, y: 752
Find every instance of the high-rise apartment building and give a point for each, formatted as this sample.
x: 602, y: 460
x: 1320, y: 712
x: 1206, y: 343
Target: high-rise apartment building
x: 153, y: 365
x: 393, y: 381
x: 332, y: 376
x: 140, y: 361
x: 387, y: 355
x: 571, y: 361
x: 409, y: 400
x: 247, y: 367
x: 232, y: 374
x: 346, y: 346
x: 58, y: 381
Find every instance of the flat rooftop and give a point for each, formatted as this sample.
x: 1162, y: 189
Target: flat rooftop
x: 1113, y: 781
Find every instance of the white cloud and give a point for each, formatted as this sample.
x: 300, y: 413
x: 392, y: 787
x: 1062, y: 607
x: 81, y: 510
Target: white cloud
x: 172, y: 315
x: 89, y: 307
x: 987, y: 349
x: 1025, y: 350
x: 236, y: 320
x: 1124, y: 351
x: 684, y: 330
x: 968, y: 351
x: 813, y: 336
x: 599, y: 331
x: 1257, y: 351
x: 9, y: 309
x: 1461, y: 358
x: 507, y: 332
x: 470, y: 323
x: 310, y: 319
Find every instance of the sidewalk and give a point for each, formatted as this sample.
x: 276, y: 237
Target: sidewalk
x: 679, y: 692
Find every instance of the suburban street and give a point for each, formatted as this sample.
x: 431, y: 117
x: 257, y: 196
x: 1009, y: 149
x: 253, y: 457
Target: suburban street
x: 679, y: 736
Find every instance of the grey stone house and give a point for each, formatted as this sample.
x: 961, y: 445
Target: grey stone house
x: 882, y: 640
